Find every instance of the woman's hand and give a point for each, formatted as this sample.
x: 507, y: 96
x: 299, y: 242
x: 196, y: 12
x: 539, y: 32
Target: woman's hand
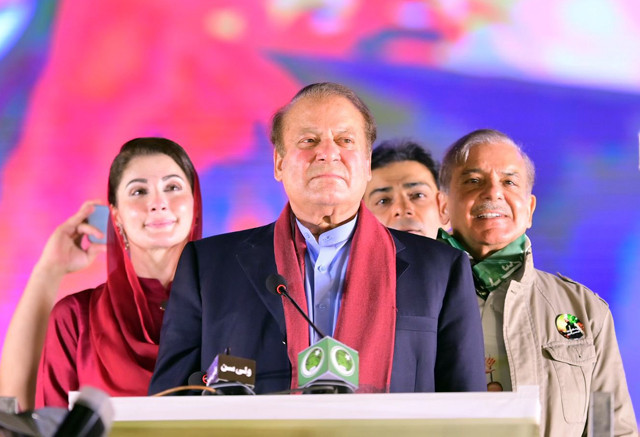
x: 67, y: 249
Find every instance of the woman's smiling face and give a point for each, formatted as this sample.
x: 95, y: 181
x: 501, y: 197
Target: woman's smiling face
x: 154, y: 203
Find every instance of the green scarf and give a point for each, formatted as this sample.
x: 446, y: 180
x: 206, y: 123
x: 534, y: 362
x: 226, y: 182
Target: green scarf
x: 492, y: 271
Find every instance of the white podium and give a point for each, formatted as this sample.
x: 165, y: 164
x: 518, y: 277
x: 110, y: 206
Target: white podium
x: 404, y: 414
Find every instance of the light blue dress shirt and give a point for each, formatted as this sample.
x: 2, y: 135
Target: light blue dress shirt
x: 325, y: 269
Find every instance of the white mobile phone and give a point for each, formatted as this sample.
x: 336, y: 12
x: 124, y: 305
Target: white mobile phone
x: 99, y: 219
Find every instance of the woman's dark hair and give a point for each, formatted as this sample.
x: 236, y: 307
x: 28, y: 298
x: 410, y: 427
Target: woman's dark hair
x: 145, y: 147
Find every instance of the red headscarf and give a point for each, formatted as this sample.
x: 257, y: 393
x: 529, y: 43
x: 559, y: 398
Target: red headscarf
x: 124, y: 322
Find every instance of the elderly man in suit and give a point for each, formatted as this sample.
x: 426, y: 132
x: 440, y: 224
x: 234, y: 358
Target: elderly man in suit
x: 406, y: 303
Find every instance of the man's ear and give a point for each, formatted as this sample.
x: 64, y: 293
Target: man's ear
x: 532, y: 207
x: 443, y: 209
x: 277, y: 165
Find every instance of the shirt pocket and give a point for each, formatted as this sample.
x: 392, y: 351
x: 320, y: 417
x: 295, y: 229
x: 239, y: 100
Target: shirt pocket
x: 573, y: 362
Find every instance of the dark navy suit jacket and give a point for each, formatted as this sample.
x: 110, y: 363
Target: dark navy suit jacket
x: 219, y: 300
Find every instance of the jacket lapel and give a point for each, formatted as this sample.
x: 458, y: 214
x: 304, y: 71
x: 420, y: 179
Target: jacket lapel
x: 401, y: 263
x: 257, y: 261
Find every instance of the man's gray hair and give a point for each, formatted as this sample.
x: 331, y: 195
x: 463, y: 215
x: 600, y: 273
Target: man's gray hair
x: 320, y: 91
x: 458, y: 153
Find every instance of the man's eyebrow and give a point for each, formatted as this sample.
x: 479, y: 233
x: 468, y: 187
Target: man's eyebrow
x: 415, y: 184
x: 470, y: 170
x: 347, y: 129
x: 477, y: 170
x: 308, y: 129
x: 380, y: 190
x: 511, y: 173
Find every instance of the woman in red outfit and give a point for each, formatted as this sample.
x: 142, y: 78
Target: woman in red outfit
x: 107, y: 337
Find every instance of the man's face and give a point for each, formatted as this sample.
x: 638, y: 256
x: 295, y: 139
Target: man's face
x: 402, y: 195
x: 327, y: 162
x: 488, y: 203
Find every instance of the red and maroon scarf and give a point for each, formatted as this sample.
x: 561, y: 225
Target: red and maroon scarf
x: 367, y: 317
x: 125, y: 324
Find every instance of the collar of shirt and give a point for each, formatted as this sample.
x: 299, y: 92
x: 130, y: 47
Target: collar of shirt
x: 334, y: 238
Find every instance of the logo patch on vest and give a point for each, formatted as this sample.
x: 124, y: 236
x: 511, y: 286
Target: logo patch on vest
x: 569, y: 326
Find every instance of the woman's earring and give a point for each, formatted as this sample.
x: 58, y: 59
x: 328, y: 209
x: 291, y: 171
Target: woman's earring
x: 124, y: 236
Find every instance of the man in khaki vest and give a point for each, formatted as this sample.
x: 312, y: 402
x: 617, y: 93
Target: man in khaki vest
x: 539, y: 329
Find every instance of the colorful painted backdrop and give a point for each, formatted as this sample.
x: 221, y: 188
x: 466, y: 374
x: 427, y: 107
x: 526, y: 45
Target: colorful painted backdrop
x: 78, y: 78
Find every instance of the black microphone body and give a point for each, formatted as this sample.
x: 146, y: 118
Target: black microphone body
x: 198, y: 378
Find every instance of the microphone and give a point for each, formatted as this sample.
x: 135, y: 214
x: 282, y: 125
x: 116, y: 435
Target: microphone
x: 91, y: 415
x: 327, y: 366
x: 198, y: 378
x: 278, y: 285
x: 231, y: 375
